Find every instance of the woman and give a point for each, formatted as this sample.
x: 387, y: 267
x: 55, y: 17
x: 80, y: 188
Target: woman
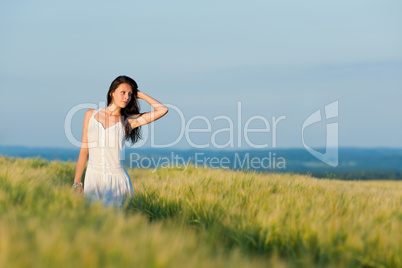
x: 103, y: 136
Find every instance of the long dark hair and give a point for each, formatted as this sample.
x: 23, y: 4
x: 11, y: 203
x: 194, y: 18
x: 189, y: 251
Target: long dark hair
x: 133, y: 107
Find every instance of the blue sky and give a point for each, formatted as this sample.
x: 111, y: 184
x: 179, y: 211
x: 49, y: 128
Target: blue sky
x: 278, y: 58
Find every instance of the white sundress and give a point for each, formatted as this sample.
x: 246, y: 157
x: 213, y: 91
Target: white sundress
x: 106, y: 178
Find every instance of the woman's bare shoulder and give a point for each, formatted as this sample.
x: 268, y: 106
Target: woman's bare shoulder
x: 89, y: 112
x: 88, y: 115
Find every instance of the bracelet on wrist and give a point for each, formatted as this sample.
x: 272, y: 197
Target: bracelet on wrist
x: 75, y: 185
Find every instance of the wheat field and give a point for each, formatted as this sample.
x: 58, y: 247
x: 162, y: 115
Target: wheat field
x: 197, y: 218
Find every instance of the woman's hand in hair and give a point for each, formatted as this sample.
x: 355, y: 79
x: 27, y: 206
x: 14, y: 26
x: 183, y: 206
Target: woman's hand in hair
x: 137, y: 120
x: 139, y: 94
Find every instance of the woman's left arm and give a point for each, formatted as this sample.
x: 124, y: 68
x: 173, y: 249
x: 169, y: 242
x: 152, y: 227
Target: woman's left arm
x: 146, y: 118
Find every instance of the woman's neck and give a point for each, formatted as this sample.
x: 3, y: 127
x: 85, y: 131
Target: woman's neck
x: 113, y: 110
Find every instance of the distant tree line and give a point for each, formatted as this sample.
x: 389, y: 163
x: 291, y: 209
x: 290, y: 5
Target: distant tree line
x: 360, y: 175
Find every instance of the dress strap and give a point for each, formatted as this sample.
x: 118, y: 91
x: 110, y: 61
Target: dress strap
x: 94, y: 112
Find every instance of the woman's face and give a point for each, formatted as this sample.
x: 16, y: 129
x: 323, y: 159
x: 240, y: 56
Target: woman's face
x: 122, y: 95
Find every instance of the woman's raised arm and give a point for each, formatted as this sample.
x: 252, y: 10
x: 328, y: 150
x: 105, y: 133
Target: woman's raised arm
x: 146, y: 118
